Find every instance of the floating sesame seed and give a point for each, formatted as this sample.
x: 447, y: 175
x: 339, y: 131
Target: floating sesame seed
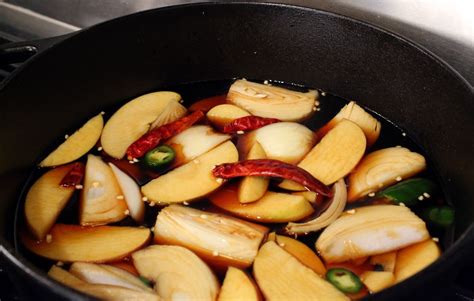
x: 152, y: 204
x: 404, y: 134
x: 426, y: 195
x: 100, y: 148
x: 79, y: 186
x: 281, y: 244
x: 196, y: 161
x: 203, y: 216
x: 215, y: 253
x: 59, y: 263
x: 219, y: 180
x: 352, y: 211
x: 185, y: 203
x: 102, y: 113
x: 66, y: 136
x: 317, y: 103
x: 315, y: 109
x: 181, y: 101
x: 119, y: 197
x: 131, y: 162
x: 398, y: 179
x: 259, y: 217
x: 421, y: 198
x: 95, y: 184
x: 265, y: 82
x: 126, y: 212
x: 135, y: 160
x: 49, y: 238
x: 145, y: 199
x: 435, y: 239
x: 152, y: 229
x: 402, y: 204
x: 323, y: 93
x: 240, y: 132
x: 371, y: 194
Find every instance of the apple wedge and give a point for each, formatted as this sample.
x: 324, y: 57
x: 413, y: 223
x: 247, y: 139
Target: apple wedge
x: 270, y: 101
x: 45, y: 201
x: 382, y: 168
x: 77, y: 145
x: 133, y: 120
x: 415, y: 258
x: 285, y: 141
x: 359, y: 116
x: 194, y: 142
x: 101, y: 200
x: 334, y: 156
x: 371, y: 230
x: 253, y: 188
x: 238, y: 286
x: 178, y: 273
x: 90, y: 244
x: 101, y: 291
x: 194, y: 178
x: 224, y: 114
x: 273, y: 207
x: 106, y: 274
x: 131, y: 193
x: 218, y: 239
x: 281, y: 276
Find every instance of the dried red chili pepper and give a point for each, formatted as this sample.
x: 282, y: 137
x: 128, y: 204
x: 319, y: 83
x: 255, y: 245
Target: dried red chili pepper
x: 248, y: 123
x: 271, y: 168
x: 152, y: 139
x: 74, y: 176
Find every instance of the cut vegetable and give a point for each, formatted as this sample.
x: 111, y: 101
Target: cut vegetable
x: 253, y: 188
x: 90, y: 244
x: 386, y: 261
x: 218, y: 239
x: 382, y: 168
x: 159, y: 158
x: 224, y: 114
x: 336, y: 207
x: 409, y: 192
x: 415, y: 258
x: 269, y: 101
x: 238, y: 286
x: 369, y: 231
x: 77, y: 145
x: 344, y: 280
x: 172, y: 112
x: 177, y: 272
x: 441, y: 216
x: 359, y: 116
x: 280, y: 276
x: 334, y: 156
x: 377, y: 281
x: 133, y: 120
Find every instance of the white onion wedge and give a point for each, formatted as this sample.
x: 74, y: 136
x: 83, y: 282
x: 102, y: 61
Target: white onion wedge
x: 369, y: 231
x: 338, y: 202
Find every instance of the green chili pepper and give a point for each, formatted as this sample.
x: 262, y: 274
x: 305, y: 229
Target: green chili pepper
x: 344, y: 280
x: 442, y: 216
x: 409, y: 192
x: 159, y: 157
x: 145, y: 281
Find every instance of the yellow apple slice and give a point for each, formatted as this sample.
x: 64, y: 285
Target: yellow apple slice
x: 45, y: 201
x: 238, y: 286
x: 131, y: 193
x: 77, y: 145
x: 253, y: 188
x: 106, y: 274
x: 194, y: 142
x: 270, y: 101
x: 178, y: 273
x: 102, y: 201
x: 377, y: 281
x: 133, y: 120
x: 281, y: 276
x: 285, y: 141
x: 192, y: 180
x: 273, y: 207
x: 359, y: 116
x: 90, y: 244
x: 386, y: 260
x: 334, y: 156
x: 218, y: 239
x: 415, y: 258
x: 369, y: 231
x: 224, y: 114
x: 101, y: 291
x: 382, y: 168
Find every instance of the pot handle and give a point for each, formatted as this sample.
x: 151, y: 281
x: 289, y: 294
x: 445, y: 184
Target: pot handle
x: 19, y: 52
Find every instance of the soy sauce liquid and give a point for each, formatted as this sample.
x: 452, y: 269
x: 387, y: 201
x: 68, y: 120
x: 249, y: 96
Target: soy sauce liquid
x: 390, y: 136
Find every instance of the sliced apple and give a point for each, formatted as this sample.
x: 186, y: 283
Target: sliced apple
x: 194, y: 142
x: 131, y: 193
x: 359, y: 116
x: 285, y: 141
x: 224, y: 114
x: 105, y: 274
x: 45, y: 201
x: 415, y: 258
x: 77, y: 145
x: 101, y: 291
x: 194, y: 178
x: 178, y: 273
x: 238, y: 286
x: 133, y: 120
x: 301, y: 252
x: 253, y: 188
x: 273, y: 207
x: 90, y: 244
x: 218, y: 239
x: 377, y: 281
x: 369, y: 231
x: 386, y: 260
x: 382, y: 168
x: 334, y: 156
x: 102, y: 201
x: 270, y: 101
x: 281, y: 276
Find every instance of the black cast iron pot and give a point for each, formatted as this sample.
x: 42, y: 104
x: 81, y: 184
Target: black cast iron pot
x: 60, y: 87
